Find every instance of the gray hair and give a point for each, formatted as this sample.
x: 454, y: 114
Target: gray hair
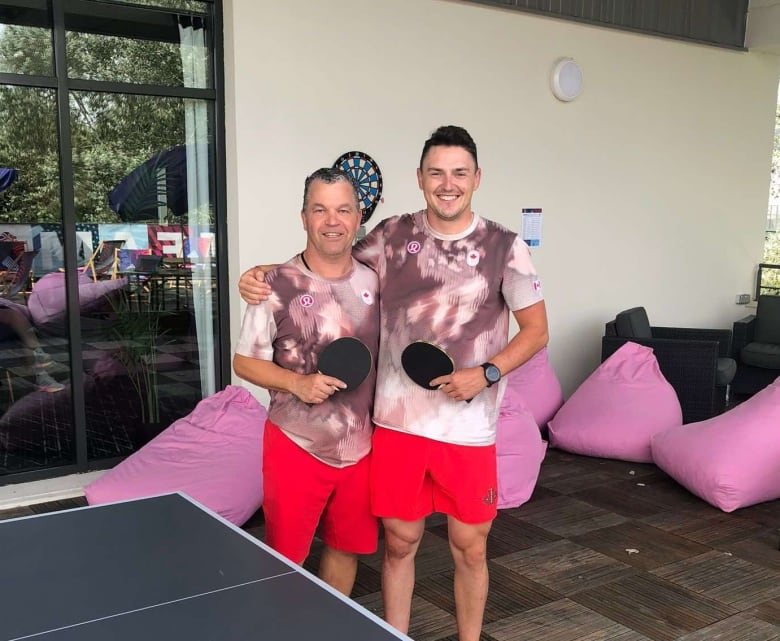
x: 330, y: 176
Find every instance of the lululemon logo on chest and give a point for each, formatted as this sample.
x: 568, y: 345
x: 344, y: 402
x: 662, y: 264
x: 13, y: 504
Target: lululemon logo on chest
x: 367, y: 297
x: 307, y: 300
x: 413, y: 247
x: 472, y: 258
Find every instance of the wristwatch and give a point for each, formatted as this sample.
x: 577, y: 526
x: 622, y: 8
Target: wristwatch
x: 492, y: 373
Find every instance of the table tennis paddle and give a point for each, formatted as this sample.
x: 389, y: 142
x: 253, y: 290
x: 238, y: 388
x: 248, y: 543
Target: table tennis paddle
x: 423, y: 361
x: 347, y: 359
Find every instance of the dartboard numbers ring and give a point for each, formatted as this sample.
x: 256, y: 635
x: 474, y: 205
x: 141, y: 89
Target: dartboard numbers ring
x: 366, y: 175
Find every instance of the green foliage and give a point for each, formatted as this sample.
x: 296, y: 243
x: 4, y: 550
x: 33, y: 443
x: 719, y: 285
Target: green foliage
x: 774, y: 188
x: 771, y: 277
x: 136, y: 329
x: 111, y: 133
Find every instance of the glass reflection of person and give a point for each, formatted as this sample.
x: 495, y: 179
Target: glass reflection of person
x: 38, y: 358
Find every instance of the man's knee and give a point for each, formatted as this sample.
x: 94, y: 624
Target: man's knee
x: 402, y: 537
x: 468, y: 542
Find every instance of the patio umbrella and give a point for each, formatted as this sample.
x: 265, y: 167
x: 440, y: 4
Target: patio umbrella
x: 7, y: 177
x: 160, y: 181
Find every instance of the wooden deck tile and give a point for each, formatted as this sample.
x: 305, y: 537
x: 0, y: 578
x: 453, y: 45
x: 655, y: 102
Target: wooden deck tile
x: 626, y: 498
x: 566, y: 516
x: 725, y: 578
x: 768, y: 611
x: 509, y: 535
x: 656, y: 608
x: 640, y: 545
x: 760, y: 548
x: 740, y: 627
x: 509, y: 593
x: 719, y: 529
x: 565, y: 567
x: 562, y: 620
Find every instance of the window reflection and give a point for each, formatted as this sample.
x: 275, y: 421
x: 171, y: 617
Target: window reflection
x: 144, y: 231
x: 25, y: 38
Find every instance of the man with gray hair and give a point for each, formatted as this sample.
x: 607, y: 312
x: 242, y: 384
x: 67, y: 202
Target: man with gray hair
x: 317, y: 439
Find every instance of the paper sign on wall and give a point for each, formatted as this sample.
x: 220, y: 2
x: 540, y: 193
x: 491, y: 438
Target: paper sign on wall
x: 532, y: 227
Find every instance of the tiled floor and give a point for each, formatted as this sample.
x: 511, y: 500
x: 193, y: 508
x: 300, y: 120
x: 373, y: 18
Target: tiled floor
x: 604, y: 550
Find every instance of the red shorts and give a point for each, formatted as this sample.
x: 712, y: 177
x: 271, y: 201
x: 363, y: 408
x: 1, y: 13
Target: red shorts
x: 413, y: 476
x: 301, y: 492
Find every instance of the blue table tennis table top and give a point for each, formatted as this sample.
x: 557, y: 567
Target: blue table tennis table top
x: 163, y: 567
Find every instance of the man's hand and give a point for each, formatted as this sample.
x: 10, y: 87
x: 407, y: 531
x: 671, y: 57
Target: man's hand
x: 252, y: 285
x: 316, y: 388
x: 462, y: 384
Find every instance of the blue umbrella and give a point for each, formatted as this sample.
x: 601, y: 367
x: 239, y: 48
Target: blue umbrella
x: 160, y: 181
x: 7, y: 177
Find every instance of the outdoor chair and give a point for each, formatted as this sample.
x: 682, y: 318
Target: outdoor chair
x: 105, y: 259
x: 757, y: 347
x: 10, y: 251
x: 17, y: 277
x: 696, y: 362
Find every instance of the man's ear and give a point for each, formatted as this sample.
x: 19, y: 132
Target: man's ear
x: 419, y: 178
x: 303, y: 220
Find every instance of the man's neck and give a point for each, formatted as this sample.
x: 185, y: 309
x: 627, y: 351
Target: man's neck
x: 327, y: 268
x: 449, y: 227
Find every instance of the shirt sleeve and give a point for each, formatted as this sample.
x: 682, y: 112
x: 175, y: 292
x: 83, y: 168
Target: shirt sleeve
x: 521, y: 286
x: 258, y: 331
x: 369, y: 249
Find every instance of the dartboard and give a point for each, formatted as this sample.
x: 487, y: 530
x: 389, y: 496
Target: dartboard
x: 367, y: 177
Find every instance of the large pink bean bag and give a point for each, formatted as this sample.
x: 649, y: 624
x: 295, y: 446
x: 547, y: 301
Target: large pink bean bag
x: 538, y: 386
x: 214, y: 455
x: 618, y: 408
x: 47, y: 299
x: 520, y: 449
x: 731, y: 460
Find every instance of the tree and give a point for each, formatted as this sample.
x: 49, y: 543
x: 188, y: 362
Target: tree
x: 111, y: 133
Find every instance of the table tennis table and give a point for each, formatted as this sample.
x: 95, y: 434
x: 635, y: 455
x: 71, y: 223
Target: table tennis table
x: 162, y: 567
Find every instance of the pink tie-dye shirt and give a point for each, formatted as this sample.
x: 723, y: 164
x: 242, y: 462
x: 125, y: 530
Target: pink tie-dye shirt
x: 455, y: 291
x: 304, y: 314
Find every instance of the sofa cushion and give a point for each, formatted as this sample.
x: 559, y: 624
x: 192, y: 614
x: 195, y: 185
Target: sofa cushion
x: 766, y: 355
x: 214, y: 455
x: 731, y: 460
x: 633, y: 323
x: 535, y: 387
x: 618, y: 408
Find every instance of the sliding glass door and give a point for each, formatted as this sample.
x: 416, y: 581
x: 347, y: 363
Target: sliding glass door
x: 111, y: 175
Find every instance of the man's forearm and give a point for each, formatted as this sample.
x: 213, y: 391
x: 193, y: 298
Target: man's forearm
x: 265, y: 374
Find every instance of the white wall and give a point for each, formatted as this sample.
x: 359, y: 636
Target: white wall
x: 654, y: 182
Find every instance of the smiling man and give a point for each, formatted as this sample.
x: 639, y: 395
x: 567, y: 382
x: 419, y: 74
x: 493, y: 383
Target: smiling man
x: 451, y: 277
x: 317, y: 440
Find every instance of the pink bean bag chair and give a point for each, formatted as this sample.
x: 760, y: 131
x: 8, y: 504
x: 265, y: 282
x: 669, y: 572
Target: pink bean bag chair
x: 47, y: 299
x: 732, y: 460
x: 538, y: 387
x: 520, y: 449
x: 618, y: 408
x: 214, y: 455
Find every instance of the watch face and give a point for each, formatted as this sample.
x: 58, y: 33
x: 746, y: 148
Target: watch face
x: 492, y: 373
